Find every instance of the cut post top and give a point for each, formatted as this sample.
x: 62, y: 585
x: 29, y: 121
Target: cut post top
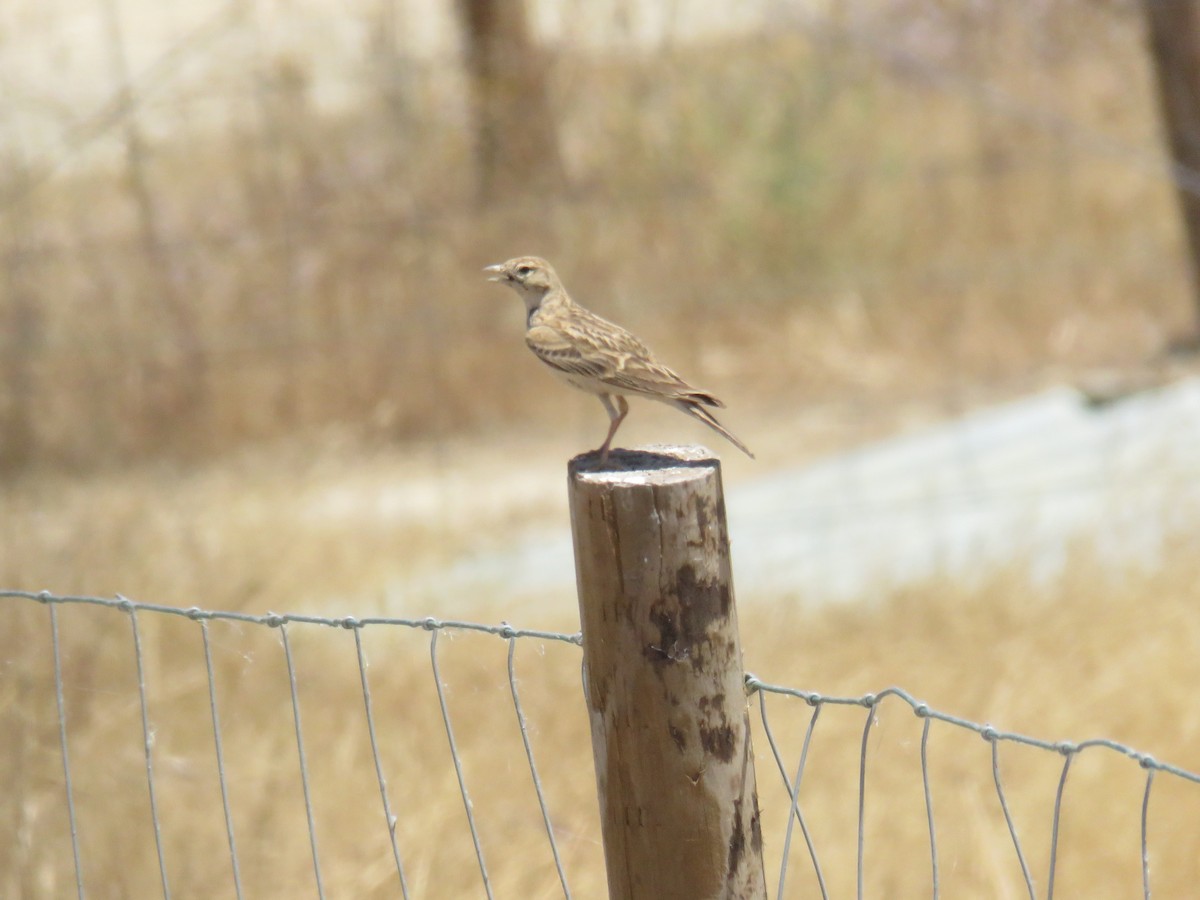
x: 652, y: 464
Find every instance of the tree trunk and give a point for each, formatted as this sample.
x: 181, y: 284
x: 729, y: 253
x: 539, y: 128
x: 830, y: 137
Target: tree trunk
x: 1173, y: 28
x: 516, y: 145
x: 173, y: 379
x: 20, y: 333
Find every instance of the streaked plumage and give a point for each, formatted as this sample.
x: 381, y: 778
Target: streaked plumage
x: 595, y: 355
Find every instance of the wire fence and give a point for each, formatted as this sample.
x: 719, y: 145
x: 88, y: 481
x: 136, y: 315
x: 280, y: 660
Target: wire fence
x: 223, y: 226
x: 795, y: 878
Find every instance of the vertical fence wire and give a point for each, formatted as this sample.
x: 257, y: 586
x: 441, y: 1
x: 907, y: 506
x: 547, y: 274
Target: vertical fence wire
x: 62, y: 742
x: 990, y: 736
x: 862, y: 791
x: 216, y: 726
x: 929, y: 799
x: 147, y: 746
x: 537, y: 781
x: 458, y: 770
x: 1145, y: 843
x: 1058, y: 797
x: 389, y: 817
x: 794, y: 814
x: 870, y: 701
x: 308, y: 810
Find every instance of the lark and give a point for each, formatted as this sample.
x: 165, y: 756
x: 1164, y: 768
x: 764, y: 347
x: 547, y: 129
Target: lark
x: 594, y: 355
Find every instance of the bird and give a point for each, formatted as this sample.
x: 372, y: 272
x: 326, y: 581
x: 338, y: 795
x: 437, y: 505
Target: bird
x: 596, y: 355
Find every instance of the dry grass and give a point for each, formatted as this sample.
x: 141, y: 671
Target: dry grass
x: 1096, y: 654
x: 869, y: 231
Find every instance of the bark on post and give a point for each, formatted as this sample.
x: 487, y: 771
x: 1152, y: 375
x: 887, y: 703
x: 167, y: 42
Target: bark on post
x: 670, y: 728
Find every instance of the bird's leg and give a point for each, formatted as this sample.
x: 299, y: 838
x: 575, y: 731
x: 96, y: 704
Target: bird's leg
x: 616, y: 415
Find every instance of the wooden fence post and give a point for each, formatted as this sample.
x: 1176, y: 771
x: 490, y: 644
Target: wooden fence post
x: 669, y: 719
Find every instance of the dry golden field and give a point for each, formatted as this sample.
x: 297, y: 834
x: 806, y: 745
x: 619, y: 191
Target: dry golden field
x: 838, y: 238
x: 1095, y: 654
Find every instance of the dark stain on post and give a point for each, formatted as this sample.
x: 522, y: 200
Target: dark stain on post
x: 718, y: 740
x: 668, y: 636
x: 679, y: 738
x: 608, y: 514
x: 737, y: 842
x: 682, y: 619
x: 701, y: 601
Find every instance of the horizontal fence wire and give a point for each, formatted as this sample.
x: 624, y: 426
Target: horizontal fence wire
x: 203, y: 617
x: 985, y: 731
x: 1067, y: 749
x: 870, y: 702
x: 276, y: 620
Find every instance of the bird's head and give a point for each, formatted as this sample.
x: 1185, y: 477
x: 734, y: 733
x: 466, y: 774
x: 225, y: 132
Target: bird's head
x: 530, y: 276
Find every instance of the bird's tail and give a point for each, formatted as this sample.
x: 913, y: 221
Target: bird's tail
x: 694, y: 409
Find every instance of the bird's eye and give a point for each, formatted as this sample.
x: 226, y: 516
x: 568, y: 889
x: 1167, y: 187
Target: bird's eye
x: 524, y: 271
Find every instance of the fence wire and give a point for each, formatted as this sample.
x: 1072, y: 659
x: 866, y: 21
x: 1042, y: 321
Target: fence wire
x: 786, y: 882
x: 281, y: 622
x: 995, y: 737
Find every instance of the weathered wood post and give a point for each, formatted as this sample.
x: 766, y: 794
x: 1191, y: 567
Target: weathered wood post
x: 670, y: 727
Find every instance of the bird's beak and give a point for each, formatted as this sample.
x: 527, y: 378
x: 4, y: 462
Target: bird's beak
x: 496, y: 272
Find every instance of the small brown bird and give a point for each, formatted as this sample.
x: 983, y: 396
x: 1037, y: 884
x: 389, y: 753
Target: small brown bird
x: 595, y: 355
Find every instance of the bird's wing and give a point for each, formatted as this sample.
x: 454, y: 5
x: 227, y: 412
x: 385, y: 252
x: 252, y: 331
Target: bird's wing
x: 556, y: 349
x: 585, y: 344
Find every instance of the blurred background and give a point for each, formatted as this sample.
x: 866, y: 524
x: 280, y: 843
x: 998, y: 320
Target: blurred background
x: 224, y: 225
x: 933, y: 254
x: 242, y: 242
